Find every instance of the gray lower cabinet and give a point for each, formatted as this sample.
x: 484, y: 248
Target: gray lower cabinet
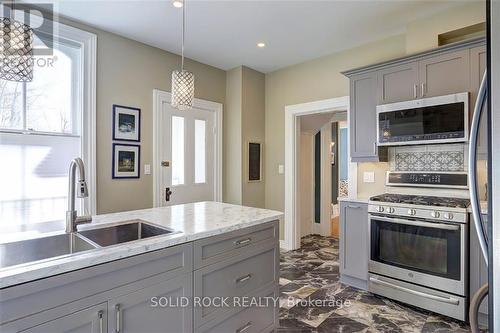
x: 153, y: 309
x: 363, y: 117
x: 354, y: 243
x: 398, y: 83
x: 90, y: 320
x: 145, y: 293
x: 444, y: 74
x: 478, y: 270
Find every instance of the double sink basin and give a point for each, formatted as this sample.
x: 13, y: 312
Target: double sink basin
x: 49, y: 247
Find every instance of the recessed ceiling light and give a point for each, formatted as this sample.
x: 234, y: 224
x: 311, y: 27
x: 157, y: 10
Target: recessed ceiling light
x: 261, y: 44
x: 178, y: 3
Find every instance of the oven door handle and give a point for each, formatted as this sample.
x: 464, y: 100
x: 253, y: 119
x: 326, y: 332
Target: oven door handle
x: 420, y: 224
x: 448, y: 300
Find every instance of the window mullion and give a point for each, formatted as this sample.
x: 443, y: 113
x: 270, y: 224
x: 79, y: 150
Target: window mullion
x: 24, y: 106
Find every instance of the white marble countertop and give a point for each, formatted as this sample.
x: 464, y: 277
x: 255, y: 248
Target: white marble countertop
x: 193, y: 221
x: 354, y: 199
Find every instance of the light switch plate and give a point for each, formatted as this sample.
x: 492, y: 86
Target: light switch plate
x: 147, y: 169
x: 369, y: 177
x: 281, y: 169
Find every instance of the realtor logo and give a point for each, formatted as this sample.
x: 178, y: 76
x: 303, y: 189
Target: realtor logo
x: 23, y: 23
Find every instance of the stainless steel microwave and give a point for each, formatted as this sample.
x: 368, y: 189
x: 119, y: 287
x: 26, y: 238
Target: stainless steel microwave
x: 440, y: 119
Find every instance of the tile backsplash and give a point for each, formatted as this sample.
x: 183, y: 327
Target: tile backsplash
x: 445, y: 157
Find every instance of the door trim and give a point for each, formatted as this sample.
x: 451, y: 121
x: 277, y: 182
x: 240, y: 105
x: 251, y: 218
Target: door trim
x: 160, y: 97
x: 292, y: 132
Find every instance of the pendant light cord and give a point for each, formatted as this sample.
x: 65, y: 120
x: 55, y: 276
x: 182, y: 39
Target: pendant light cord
x: 183, y: 29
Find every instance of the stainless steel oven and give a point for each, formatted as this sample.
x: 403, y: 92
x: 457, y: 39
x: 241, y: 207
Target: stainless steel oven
x: 440, y: 119
x: 428, y: 253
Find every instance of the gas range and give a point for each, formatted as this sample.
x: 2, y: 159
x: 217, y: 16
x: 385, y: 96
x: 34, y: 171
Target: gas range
x: 421, y: 206
x: 419, y: 241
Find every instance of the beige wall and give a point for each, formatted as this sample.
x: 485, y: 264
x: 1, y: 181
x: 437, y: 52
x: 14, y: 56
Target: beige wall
x: 252, y: 130
x: 127, y: 73
x: 310, y: 81
x: 232, y: 137
x: 321, y: 79
x: 423, y: 34
x: 245, y: 95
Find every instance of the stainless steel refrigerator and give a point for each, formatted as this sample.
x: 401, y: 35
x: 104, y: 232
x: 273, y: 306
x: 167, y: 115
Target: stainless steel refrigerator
x: 487, y: 110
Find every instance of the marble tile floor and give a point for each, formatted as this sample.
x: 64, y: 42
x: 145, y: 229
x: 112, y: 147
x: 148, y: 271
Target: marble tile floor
x: 312, y: 299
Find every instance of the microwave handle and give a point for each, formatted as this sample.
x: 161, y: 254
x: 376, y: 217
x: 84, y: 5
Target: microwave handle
x: 420, y: 223
x: 475, y: 204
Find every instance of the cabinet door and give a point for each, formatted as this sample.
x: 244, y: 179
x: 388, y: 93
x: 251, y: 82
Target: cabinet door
x: 444, y: 74
x: 363, y: 117
x: 354, y: 240
x: 90, y: 320
x: 477, y: 266
x: 154, y: 309
x: 397, y: 83
x: 477, y: 69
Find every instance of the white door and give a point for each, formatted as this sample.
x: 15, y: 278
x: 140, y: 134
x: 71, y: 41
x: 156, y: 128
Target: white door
x: 189, y: 144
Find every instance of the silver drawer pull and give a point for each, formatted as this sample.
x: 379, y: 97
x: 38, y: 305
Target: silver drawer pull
x: 118, y: 319
x: 243, y: 241
x: 99, y: 315
x: 243, y: 278
x: 354, y: 207
x: 244, y: 328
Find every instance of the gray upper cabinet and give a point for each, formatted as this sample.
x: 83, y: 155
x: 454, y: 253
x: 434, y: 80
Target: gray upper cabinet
x: 444, y: 74
x: 354, y: 240
x: 146, y: 310
x: 363, y: 117
x: 477, y: 69
x: 90, y: 320
x: 398, y: 83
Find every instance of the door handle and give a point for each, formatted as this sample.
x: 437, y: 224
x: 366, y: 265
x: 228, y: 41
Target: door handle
x: 168, y: 193
x: 415, y: 91
x: 99, y: 316
x: 118, y: 318
x: 422, y: 89
x: 475, y: 204
x: 243, y: 278
x: 242, y: 241
x: 244, y: 327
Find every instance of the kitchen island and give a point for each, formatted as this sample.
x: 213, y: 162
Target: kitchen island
x: 215, y: 251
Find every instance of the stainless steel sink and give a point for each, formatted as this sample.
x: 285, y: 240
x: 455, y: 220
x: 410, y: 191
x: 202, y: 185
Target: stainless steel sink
x: 124, y: 232
x: 29, y: 250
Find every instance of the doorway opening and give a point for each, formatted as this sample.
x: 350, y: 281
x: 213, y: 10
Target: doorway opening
x: 318, y: 169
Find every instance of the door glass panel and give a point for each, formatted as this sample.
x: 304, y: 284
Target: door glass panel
x: 199, y: 151
x: 177, y: 150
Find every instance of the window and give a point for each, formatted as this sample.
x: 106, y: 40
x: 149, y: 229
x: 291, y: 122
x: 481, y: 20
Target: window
x: 178, y: 150
x: 199, y: 151
x: 44, y: 124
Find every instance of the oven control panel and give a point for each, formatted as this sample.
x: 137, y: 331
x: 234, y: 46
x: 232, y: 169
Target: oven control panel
x: 427, y: 213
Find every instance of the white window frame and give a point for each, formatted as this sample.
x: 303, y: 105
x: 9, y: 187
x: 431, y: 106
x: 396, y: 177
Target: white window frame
x: 87, y: 95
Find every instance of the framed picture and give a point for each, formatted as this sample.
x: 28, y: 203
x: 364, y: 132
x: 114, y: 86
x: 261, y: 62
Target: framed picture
x: 126, y: 161
x: 254, y: 162
x: 126, y: 123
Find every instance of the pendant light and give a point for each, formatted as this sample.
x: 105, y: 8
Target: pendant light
x: 16, y: 50
x: 182, y: 81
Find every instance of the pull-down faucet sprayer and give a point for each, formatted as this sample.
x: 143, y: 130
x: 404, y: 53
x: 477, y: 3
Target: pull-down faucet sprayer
x: 72, y: 220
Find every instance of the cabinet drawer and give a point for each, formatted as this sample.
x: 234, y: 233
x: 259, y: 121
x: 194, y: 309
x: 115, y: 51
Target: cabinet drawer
x: 238, y: 276
x: 249, y: 320
x: 211, y: 250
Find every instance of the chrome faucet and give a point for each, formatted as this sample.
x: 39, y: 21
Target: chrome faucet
x: 72, y: 220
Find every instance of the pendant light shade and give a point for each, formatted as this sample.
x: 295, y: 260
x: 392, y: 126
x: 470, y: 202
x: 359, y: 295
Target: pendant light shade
x: 182, y: 80
x: 16, y: 51
x: 182, y: 89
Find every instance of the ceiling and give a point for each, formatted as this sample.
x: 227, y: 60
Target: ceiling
x: 224, y: 34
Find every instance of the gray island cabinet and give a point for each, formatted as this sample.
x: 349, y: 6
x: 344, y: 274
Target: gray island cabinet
x: 148, y: 292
